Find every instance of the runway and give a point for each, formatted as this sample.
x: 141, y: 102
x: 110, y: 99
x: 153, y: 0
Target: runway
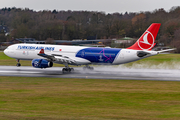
x: 99, y: 72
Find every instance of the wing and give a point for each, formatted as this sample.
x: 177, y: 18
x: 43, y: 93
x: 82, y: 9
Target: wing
x: 57, y: 58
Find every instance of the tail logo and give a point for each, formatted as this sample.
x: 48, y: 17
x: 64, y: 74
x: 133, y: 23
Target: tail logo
x: 147, y: 41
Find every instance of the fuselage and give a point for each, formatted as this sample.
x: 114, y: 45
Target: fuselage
x: 82, y: 55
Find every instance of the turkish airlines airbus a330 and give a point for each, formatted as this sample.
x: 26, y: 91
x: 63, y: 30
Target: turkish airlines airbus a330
x: 43, y: 56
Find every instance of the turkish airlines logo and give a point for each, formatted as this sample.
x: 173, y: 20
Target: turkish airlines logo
x: 36, y: 63
x: 147, y: 42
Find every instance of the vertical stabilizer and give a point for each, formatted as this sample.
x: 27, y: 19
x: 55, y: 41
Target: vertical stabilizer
x: 146, y: 41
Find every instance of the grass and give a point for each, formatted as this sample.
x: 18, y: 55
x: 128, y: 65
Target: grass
x: 161, y: 58
x: 164, y: 58
x: 5, y: 60
x: 160, y: 61
x: 23, y: 98
x: 90, y: 99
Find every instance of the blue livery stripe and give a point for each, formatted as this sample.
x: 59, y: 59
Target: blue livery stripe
x: 99, y: 55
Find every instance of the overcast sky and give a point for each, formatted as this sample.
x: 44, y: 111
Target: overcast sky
x: 108, y: 6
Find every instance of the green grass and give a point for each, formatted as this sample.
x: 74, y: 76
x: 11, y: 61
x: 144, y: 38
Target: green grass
x: 160, y: 61
x: 88, y: 99
x: 164, y: 57
x: 23, y: 98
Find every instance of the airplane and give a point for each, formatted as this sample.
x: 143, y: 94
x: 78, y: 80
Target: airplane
x: 44, y: 55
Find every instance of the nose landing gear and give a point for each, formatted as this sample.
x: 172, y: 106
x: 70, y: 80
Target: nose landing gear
x: 18, y: 64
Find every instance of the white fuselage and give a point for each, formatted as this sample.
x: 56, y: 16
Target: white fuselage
x: 82, y: 55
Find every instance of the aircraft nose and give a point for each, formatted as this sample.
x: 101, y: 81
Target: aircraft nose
x: 6, y: 51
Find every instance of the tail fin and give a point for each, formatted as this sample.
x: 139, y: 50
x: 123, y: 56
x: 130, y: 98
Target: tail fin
x: 146, y: 41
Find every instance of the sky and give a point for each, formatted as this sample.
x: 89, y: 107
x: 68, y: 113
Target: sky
x: 107, y: 6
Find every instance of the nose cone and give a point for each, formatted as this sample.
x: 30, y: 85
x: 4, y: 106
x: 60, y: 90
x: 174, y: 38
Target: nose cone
x: 5, y: 51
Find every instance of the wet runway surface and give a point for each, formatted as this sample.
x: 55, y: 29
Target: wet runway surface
x: 99, y: 72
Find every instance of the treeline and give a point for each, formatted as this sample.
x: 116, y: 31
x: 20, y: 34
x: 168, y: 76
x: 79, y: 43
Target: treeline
x: 69, y: 25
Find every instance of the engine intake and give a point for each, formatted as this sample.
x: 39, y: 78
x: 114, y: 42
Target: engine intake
x: 41, y: 63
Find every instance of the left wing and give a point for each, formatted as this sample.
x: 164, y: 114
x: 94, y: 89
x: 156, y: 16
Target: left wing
x: 57, y: 58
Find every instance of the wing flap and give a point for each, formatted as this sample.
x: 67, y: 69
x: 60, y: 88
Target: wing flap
x: 57, y: 58
x: 61, y: 59
x: 50, y: 57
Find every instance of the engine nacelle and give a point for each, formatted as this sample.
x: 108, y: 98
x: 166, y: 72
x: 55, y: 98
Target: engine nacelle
x: 41, y: 63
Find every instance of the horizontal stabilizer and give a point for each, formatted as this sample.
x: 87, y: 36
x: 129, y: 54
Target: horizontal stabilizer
x: 167, y: 50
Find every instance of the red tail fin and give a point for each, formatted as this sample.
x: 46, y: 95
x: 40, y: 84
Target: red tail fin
x: 146, y: 41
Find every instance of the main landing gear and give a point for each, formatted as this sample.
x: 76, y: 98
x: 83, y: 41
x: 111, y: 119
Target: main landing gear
x: 18, y: 64
x: 67, y: 69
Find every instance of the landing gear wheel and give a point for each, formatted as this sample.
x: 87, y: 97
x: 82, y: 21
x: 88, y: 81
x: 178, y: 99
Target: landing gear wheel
x: 67, y: 70
x: 64, y: 70
x: 18, y: 64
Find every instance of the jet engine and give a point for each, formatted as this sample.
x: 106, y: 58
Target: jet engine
x: 41, y: 63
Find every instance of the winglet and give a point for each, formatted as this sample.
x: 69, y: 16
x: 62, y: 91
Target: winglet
x: 41, y: 51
